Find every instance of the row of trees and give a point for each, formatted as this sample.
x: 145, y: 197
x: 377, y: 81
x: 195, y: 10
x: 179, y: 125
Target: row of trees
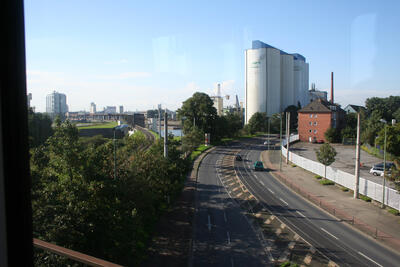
x: 78, y: 204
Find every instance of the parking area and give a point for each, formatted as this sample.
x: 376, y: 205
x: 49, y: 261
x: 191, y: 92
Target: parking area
x: 345, y: 159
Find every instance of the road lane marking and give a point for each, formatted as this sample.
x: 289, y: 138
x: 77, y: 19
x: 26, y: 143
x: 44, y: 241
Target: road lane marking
x: 229, y: 237
x: 301, y: 214
x: 369, y: 259
x: 261, y: 182
x: 225, y: 217
x: 270, y: 191
x: 209, y: 223
x: 284, y: 201
x: 232, y: 263
x: 329, y: 233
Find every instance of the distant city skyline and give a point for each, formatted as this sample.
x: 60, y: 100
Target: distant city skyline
x: 138, y: 56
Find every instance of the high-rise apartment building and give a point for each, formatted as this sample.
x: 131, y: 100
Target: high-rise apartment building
x: 274, y: 80
x: 56, y: 104
x: 121, y: 109
x: 92, y: 108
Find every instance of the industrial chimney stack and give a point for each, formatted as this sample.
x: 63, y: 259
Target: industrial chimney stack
x: 332, y: 101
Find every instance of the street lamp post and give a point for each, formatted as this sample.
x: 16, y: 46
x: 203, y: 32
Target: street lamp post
x: 280, y: 142
x: 268, y: 133
x: 384, y: 166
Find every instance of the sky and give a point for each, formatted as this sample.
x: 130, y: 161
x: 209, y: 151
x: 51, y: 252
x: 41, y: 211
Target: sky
x: 143, y: 53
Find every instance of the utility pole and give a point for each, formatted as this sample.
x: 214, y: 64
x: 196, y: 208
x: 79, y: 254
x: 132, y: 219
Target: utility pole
x: 384, y: 171
x: 268, y: 133
x: 280, y: 143
x: 287, y: 136
x: 165, y: 135
x: 357, y: 172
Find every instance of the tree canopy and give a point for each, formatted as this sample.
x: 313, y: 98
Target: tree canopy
x: 326, y: 154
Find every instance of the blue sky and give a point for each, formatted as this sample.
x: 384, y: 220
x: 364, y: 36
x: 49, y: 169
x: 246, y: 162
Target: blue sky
x: 140, y: 53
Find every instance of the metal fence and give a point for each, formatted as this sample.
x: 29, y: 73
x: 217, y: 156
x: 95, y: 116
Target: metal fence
x: 366, y: 187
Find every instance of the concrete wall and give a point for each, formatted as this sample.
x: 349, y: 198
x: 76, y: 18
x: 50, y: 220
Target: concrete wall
x: 273, y: 81
x: 287, y: 93
x: 256, y: 82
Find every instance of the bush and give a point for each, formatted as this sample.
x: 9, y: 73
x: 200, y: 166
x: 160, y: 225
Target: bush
x: 326, y: 182
x: 365, y: 198
x: 293, y: 165
x: 394, y: 211
x: 318, y: 177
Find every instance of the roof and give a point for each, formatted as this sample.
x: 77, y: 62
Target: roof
x: 256, y: 44
x: 355, y: 107
x: 318, y: 105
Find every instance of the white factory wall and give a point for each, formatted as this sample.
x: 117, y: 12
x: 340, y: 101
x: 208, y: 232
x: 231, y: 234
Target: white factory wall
x: 273, y: 81
x: 256, y: 78
x: 298, y: 80
x: 304, y: 92
x: 287, y: 89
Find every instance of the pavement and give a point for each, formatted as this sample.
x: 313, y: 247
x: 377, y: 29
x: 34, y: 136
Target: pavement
x: 368, y: 217
x: 344, y: 160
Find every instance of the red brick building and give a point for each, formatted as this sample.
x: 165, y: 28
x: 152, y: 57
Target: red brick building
x: 317, y: 117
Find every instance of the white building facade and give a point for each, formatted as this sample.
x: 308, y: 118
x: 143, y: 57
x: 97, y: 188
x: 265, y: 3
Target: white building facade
x: 274, y: 80
x: 56, y: 103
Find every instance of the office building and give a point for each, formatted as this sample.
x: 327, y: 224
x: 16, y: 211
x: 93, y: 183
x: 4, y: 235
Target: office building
x: 110, y: 110
x: 121, y: 109
x: 274, y: 80
x: 56, y: 104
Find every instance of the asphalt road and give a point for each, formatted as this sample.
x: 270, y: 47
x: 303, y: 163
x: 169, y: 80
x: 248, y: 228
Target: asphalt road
x: 336, y: 240
x: 222, y: 234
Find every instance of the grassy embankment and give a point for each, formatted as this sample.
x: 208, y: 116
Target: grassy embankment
x: 375, y: 152
x: 106, y: 125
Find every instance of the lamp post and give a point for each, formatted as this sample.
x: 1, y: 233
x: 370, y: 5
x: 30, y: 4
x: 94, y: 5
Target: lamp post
x: 268, y: 132
x: 280, y: 142
x: 384, y: 166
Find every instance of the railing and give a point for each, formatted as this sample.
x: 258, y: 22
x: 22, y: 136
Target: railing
x: 73, y: 255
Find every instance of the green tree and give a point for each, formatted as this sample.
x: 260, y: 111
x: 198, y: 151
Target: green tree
x: 392, y: 138
x: 192, y: 139
x: 332, y: 135
x: 39, y: 126
x: 326, y: 155
x: 293, y: 116
x: 199, y: 112
x: 258, y: 122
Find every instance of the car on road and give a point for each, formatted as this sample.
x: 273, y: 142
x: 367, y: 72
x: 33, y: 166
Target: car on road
x: 238, y: 158
x: 389, y: 165
x: 378, y: 171
x: 258, y: 166
x: 267, y: 142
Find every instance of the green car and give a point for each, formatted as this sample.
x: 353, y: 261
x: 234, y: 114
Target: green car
x: 258, y: 166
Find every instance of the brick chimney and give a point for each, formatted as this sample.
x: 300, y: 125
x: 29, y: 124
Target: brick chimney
x: 332, y: 101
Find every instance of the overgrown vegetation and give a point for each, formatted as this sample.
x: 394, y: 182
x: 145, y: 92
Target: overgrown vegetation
x: 78, y: 204
x: 394, y: 211
x: 365, y: 198
x: 326, y: 182
x: 317, y: 177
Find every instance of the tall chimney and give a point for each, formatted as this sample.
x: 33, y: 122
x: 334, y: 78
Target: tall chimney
x: 332, y: 88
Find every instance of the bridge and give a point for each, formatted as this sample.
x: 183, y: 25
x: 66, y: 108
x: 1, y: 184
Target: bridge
x: 131, y: 119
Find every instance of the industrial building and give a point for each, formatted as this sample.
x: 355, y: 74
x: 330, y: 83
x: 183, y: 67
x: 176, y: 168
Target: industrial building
x: 218, y: 101
x: 274, y: 80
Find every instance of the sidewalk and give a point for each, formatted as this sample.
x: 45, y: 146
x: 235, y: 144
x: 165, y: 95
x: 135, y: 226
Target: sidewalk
x: 367, y: 217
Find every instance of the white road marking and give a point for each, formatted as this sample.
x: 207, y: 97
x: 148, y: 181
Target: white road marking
x: 329, y: 233
x: 232, y: 263
x: 261, y: 182
x: 301, y: 214
x: 209, y: 223
x: 271, y: 191
x: 369, y: 259
x: 284, y: 201
x: 229, y: 237
x: 225, y: 217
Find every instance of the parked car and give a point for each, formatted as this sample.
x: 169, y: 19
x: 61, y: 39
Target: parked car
x: 320, y: 141
x: 238, y: 158
x: 267, y: 142
x: 378, y: 171
x: 389, y: 165
x: 258, y: 166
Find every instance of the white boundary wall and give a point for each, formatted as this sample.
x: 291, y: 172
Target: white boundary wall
x: 366, y: 187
